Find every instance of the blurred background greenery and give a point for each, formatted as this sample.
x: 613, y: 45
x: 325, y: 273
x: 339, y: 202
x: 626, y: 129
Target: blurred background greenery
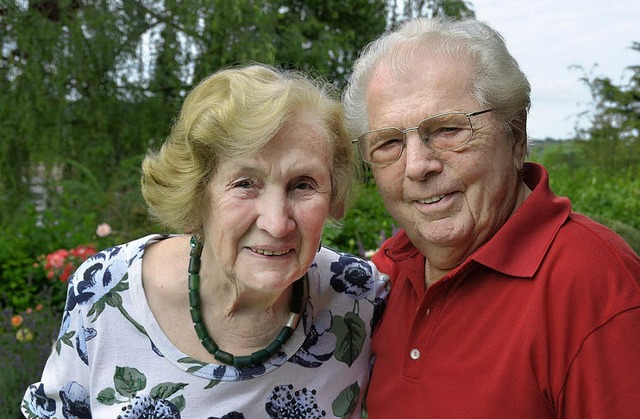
x: 88, y: 86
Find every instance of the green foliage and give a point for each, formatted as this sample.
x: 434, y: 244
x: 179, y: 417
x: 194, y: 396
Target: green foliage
x: 24, y: 350
x: 612, y: 140
x: 365, y: 225
x: 596, y: 191
x: 74, y: 208
x: 456, y: 9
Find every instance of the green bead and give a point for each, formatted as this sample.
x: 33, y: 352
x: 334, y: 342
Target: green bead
x: 194, y: 265
x: 194, y: 299
x: 193, y: 242
x: 196, y: 315
x: 210, y: 345
x: 298, y: 289
x: 284, y: 335
x: 260, y: 356
x: 296, y: 306
x: 273, y: 347
x: 194, y: 282
x: 242, y: 361
x: 201, y: 331
x: 224, y: 357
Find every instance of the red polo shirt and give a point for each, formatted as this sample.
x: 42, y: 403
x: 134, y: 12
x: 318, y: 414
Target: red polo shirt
x: 542, y: 321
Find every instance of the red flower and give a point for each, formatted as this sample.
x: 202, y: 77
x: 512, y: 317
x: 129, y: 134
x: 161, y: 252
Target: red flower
x: 56, y: 259
x: 61, y: 263
x: 83, y: 252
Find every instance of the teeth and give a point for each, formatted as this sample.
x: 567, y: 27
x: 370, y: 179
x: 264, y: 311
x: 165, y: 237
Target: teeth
x: 432, y: 199
x: 270, y: 252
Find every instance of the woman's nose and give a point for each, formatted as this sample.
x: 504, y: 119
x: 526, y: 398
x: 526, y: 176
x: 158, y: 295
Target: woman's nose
x: 275, y: 215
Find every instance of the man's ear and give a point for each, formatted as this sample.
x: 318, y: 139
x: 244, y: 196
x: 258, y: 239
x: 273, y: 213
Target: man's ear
x: 519, y: 133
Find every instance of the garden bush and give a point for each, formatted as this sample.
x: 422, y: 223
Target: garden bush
x: 26, y: 339
x: 611, y: 197
x: 365, y: 225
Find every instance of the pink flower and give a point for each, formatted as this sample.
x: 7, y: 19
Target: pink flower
x: 56, y: 259
x: 103, y: 230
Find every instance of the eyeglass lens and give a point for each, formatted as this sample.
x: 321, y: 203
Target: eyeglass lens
x: 440, y: 133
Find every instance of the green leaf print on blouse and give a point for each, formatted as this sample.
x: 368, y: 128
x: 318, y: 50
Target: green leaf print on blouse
x: 351, y: 333
x: 129, y: 384
x: 346, y: 401
x: 113, y: 299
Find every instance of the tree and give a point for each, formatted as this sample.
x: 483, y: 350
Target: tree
x: 456, y: 9
x: 93, y: 84
x: 612, y: 141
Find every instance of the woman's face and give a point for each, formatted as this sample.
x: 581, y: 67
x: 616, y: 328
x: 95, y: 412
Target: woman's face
x: 267, y: 210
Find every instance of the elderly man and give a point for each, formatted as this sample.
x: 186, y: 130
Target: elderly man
x: 504, y: 302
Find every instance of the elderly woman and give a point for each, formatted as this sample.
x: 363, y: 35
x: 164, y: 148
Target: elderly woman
x: 246, y: 315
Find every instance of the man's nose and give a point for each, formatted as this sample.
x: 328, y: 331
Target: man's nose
x: 420, y: 158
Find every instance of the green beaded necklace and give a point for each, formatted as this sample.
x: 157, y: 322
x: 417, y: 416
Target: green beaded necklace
x: 298, y: 302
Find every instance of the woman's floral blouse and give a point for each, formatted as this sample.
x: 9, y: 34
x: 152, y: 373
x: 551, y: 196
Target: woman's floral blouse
x: 111, y: 358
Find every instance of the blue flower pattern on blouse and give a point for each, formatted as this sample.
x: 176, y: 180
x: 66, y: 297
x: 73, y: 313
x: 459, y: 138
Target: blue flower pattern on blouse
x: 75, y: 401
x: 97, y: 284
x: 352, y: 277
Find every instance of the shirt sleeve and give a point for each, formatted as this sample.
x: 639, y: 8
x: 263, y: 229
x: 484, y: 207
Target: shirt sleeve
x: 604, y: 378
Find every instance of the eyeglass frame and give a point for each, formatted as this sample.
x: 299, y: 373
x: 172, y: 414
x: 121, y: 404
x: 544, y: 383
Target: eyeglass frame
x: 416, y: 128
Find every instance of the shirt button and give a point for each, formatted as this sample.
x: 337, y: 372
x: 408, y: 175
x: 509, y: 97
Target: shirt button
x: 414, y: 354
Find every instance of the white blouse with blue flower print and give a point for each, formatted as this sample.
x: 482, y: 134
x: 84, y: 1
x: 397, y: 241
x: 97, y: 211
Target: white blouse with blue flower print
x: 112, y: 360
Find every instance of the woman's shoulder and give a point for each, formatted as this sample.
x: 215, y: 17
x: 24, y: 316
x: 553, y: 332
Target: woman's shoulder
x: 347, y: 274
x: 107, y: 268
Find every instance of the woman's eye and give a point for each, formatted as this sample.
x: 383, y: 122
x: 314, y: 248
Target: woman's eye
x: 304, y: 185
x: 244, y: 183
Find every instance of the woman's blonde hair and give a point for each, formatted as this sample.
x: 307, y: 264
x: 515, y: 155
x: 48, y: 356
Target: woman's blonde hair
x: 236, y: 112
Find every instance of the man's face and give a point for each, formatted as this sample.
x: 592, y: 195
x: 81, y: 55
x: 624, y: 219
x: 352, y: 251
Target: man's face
x: 453, y: 199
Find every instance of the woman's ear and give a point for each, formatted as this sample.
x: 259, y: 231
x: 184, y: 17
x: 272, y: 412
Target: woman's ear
x: 337, y: 209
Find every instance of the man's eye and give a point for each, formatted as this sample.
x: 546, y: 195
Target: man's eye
x: 387, y: 143
x: 448, y: 129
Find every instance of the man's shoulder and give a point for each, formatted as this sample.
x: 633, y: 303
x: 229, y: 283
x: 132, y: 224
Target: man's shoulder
x: 594, y: 239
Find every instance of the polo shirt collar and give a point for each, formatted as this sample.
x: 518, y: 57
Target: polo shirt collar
x: 519, y: 247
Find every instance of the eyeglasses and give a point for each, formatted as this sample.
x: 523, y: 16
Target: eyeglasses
x: 444, y: 132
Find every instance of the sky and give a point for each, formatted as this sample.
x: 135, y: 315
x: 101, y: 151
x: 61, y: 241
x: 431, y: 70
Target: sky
x: 548, y: 37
